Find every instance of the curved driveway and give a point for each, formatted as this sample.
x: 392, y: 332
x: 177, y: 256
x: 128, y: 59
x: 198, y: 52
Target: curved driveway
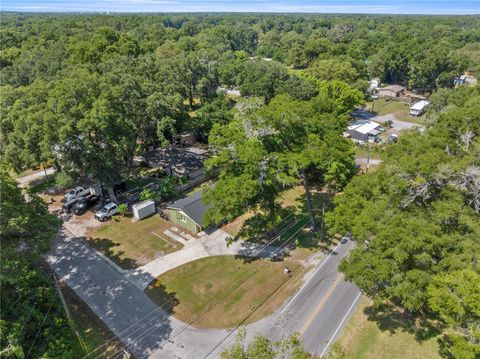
x: 148, y: 331
x: 214, y: 244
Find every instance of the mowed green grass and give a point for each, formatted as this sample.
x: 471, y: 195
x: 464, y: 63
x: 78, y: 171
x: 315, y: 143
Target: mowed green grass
x: 363, y: 339
x: 191, y: 291
x: 397, y: 108
x: 131, y: 244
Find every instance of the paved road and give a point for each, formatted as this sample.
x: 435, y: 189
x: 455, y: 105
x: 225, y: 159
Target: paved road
x: 122, y: 306
x: 318, y: 310
x: 146, y: 329
x: 26, y: 180
x: 360, y: 160
x: 397, y: 125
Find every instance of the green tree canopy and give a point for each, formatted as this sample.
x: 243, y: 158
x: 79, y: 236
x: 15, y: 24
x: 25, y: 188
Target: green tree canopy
x: 416, y: 219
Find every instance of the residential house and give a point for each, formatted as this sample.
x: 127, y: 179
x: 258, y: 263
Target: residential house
x: 391, y: 91
x: 188, y: 212
x: 419, y: 108
x: 466, y: 79
x: 374, y: 84
x: 363, y: 131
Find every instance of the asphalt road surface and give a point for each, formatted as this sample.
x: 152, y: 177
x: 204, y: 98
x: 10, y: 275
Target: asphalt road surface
x: 26, y: 180
x: 318, y: 311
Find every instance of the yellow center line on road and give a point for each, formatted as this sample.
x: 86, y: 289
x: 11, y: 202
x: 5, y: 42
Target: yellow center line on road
x: 314, y: 313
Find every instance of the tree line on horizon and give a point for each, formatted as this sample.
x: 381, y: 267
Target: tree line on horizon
x: 89, y: 92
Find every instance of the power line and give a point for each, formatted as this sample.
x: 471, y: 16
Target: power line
x: 160, y: 308
x: 241, y: 280
x: 279, y: 288
x: 283, y: 221
x: 68, y: 314
x: 43, y: 322
x: 248, y: 275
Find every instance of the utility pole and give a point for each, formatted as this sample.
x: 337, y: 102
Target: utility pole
x: 69, y: 315
x: 321, y: 224
x: 368, y: 157
x: 45, y: 171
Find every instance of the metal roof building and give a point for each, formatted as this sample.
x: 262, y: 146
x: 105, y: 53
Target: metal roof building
x: 188, y: 212
x: 361, y: 130
x: 418, y: 108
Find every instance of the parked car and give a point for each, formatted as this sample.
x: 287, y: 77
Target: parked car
x: 106, y: 212
x: 68, y: 205
x: 83, y: 204
x: 78, y: 191
x: 393, y: 138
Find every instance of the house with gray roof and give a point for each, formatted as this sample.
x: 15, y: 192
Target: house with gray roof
x: 391, y: 91
x: 188, y: 212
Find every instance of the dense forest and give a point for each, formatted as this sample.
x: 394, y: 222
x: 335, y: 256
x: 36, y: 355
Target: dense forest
x: 88, y: 93
x: 417, y: 224
x: 133, y: 80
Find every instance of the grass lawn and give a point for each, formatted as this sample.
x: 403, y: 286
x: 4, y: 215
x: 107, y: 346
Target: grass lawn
x: 292, y: 215
x: 375, y: 151
x: 399, y: 109
x: 194, y: 287
x: 133, y: 244
x: 363, y: 339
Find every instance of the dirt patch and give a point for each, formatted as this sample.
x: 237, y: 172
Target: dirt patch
x: 82, y: 225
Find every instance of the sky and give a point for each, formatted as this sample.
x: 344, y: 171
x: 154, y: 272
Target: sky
x: 444, y: 7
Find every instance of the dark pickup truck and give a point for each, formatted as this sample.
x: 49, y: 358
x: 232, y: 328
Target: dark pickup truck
x: 84, y: 204
x: 68, y: 206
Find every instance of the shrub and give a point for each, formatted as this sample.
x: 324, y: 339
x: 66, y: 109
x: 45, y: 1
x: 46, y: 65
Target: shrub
x: 147, y: 194
x: 64, y: 180
x: 122, y: 209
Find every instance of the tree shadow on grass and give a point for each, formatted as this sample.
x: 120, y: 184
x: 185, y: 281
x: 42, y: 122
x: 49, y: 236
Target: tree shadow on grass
x: 107, y: 246
x: 391, y: 318
x: 159, y: 295
x: 287, y: 230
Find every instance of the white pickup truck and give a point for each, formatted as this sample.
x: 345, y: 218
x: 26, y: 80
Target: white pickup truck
x: 78, y: 191
x: 81, y: 191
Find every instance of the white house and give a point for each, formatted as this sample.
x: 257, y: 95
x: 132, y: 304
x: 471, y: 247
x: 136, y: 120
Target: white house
x: 419, y: 108
x: 363, y: 130
x: 374, y: 84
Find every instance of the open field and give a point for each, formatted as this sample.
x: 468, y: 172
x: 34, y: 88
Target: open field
x: 133, y: 244
x: 191, y: 289
x: 396, y: 108
x: 366, y: 339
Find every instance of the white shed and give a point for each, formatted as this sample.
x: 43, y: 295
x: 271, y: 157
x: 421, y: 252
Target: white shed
x: 143, y: 209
